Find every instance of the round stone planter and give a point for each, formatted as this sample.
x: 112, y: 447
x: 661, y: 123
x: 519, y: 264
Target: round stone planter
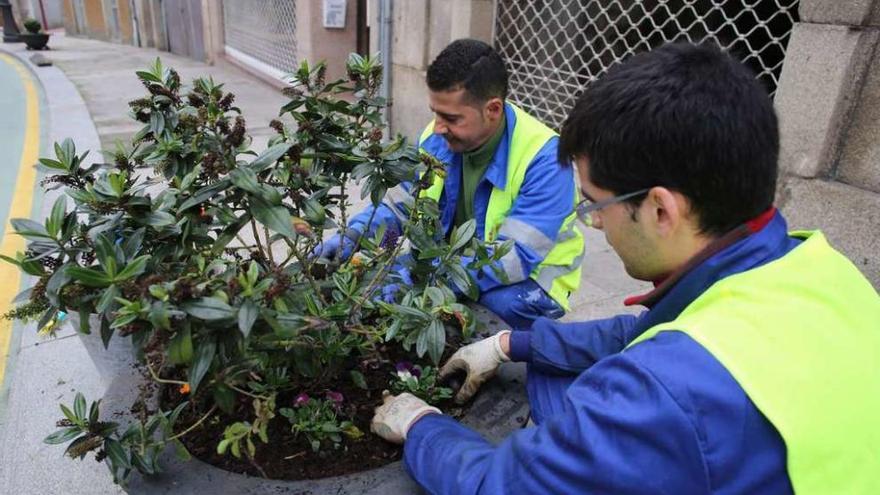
x: 111, y: 361
x: 35, y: 41
x: 500, y: 408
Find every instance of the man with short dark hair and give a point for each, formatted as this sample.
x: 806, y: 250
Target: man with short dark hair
x: 755, y: 368
x: 502, y: 171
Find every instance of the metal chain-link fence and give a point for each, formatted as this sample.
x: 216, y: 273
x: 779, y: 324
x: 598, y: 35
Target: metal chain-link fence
x: 264, y: 30
x: 554, y: 48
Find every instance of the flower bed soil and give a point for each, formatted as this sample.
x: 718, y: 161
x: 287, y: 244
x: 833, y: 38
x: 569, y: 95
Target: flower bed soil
x: 288, y: 457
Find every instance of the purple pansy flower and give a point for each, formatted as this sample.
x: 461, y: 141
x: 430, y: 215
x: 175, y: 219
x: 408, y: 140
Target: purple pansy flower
x: 405, y: 369
x: 301, y: 399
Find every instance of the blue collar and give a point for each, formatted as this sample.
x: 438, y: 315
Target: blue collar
x: 496, y: 173
x: 752, y: 249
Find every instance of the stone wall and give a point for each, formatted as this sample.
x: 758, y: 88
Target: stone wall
x: 332, y: 45
x: 829, y: 108
x: 420, y: 30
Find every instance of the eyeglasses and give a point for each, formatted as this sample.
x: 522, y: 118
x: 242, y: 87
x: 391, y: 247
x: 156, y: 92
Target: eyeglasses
x: 587, y: 206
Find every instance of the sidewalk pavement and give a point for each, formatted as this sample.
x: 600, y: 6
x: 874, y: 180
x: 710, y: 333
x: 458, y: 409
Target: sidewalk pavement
x: 85, y: 97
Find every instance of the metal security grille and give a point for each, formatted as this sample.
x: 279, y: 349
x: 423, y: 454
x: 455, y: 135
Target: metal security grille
x: 554, y: 48
x: 262, y: 33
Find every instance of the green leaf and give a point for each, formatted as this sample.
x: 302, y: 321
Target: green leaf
x: 224, y: 397
x: 133, y: 269
x: 393, y: 330
x: 202, y: 363
x: 276, y: 218
x: 223, y: 446
x: 246, y: 179
x: 189, y: 178
x: 34, y: 268
x: 10, y: 260
x: 159, y: 315
x: 29, y: 228
x: 159, y: 219
x: 56, y: 218
x: 269, y: 157
x: 209, y: 309
x: 141, y: 464
x: 253, y: 273
x: 181, y: 451
x: 62, y: 436
x: 436, y: 296
x: 53, y: 164
x: 108, y: 297
x: 205, y: 194
x: 148, y: 76
x: 56, y: 282
x: 157, y: 123
x: 94, y: 411
x: 180, y: 349
x: 106, y: 331
x: 436, y: 340
x: 132, y: 243
x: 79, y: 406
x: 314, y: 212
x: 247, y: 315
x: 69, y: 414
x: 116, y: 453
x: 462, y: 234
x: 358, y: 379
x: 410, y: 311
x: 122, y: 320
x: 464, y: 281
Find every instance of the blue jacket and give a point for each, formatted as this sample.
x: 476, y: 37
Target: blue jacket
x: 663, y: 417
x: 545, y: 199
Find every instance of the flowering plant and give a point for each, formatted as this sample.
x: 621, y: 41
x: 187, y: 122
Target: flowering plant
x: 419, y: 381
x: 199, y: 251
x: 318, y: 420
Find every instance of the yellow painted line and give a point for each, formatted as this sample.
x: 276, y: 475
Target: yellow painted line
x: 22, y: 202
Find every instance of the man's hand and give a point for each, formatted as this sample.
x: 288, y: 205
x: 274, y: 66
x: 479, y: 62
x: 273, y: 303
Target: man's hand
x: 479, y: 360
x: 337, y: 247
x: 402, y: 277
x: 393, y: 418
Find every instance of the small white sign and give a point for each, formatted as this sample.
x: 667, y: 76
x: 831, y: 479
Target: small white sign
x: 334, y: 14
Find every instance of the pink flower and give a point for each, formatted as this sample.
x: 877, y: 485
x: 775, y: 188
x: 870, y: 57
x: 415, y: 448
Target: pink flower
x: 301, y: 399
x: 336, y: 397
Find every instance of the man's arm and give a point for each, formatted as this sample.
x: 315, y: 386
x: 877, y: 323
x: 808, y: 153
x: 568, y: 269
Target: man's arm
x: 621, y: 432
x: 391, y: 212
x: 571, y: 347
x: 546, y: 197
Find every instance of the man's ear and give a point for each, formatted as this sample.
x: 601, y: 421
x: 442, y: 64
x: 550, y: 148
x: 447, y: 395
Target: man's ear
x: 494, y: 108
x: 667, y: 210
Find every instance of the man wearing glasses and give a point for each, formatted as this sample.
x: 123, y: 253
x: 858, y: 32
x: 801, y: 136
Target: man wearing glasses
x: 755, y: 368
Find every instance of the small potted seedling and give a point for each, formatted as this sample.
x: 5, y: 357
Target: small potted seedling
x: 34, y: 37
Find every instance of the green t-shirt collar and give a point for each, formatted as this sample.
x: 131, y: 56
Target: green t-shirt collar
x: 484, y: 153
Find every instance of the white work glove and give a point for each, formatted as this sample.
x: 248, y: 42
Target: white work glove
x: 479, y: 360
x: 393, y: 418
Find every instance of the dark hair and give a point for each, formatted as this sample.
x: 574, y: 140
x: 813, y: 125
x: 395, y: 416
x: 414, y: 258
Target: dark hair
x: 472, y: 65
x: 686, y: 117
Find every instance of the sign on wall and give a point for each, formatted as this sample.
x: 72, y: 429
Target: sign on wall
x: 334, y: 14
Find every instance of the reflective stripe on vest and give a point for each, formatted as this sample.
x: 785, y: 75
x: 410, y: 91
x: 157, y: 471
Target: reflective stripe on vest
x: 801, y: 336
x: 559, y: 274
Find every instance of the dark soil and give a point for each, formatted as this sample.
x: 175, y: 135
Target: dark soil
x: 286, y: 456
